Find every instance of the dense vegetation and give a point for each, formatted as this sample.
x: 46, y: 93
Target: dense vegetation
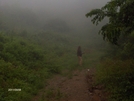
x: 32, y: 51
x: 33, y: 48
x: 23, y: 65
x: 27, y: 60
x: 116, y: 71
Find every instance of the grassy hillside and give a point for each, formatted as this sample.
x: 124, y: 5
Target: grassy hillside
x: 32, y: 50
x: 27, y: 60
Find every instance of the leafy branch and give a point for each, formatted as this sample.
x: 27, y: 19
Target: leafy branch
x: 121, y: 19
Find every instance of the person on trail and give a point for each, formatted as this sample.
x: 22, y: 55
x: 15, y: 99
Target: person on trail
x: 79, y: 54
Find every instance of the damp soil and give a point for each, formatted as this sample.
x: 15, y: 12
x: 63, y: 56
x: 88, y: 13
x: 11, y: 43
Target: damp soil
x: 78, y: 86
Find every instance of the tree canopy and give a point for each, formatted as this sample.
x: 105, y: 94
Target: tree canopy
x: 121, y: 19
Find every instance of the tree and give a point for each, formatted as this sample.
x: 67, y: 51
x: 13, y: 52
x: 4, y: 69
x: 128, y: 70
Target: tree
x: 121, y: 19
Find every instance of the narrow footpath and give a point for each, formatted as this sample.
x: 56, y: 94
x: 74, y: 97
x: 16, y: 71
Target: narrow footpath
x: 77, y: 87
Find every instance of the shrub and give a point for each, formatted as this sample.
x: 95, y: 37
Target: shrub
x: 118, y: 78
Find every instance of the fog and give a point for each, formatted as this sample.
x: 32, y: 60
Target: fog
x: 71, y: 11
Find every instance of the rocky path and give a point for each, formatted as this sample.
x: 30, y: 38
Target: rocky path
x: 77, y: 87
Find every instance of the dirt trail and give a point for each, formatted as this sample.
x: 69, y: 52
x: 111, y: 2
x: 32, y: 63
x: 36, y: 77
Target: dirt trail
x: 78, y: 87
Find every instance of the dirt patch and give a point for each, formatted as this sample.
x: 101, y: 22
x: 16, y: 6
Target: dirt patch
x: 77, y: 87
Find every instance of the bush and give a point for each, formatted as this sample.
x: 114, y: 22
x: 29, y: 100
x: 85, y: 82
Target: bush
x: 22, y: 66
x: 118, y: 78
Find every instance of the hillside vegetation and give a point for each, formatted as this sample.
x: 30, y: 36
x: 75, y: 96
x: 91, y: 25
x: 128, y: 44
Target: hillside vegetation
x: 34, y: 47
x: 116, y: 71
x: 28, y: 59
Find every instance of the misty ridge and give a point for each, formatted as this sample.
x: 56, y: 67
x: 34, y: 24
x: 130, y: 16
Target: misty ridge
x: 40, y: 39
x: 57, y: 15
x: 43, y: 39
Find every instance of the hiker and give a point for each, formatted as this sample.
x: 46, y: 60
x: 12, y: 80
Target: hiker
x: 79, y: 54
